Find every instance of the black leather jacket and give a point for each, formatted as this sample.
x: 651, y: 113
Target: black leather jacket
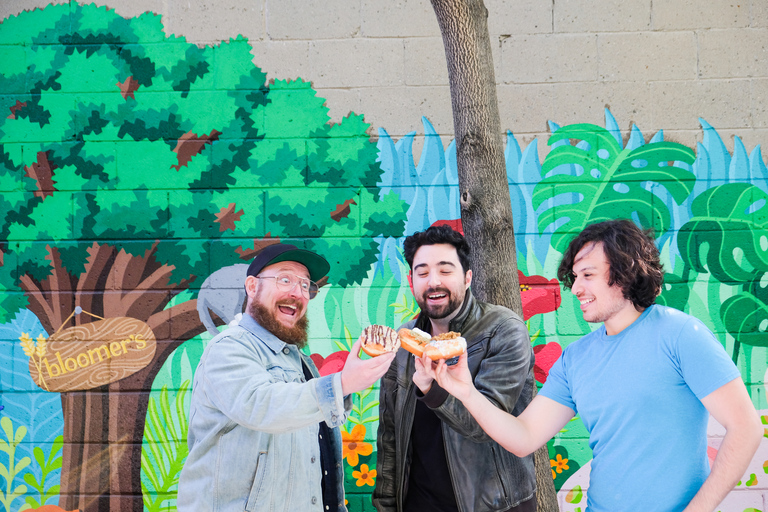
x: 485, y: 477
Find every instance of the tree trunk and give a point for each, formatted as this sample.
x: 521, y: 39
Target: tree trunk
x: 486, y: 211
x: 104, y: 426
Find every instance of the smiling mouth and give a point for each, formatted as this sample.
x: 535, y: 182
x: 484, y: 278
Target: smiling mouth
x: 288, y: 309
x: 584, y: 302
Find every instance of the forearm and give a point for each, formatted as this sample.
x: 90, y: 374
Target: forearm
x: 729, y: 466
x: 507, y: 430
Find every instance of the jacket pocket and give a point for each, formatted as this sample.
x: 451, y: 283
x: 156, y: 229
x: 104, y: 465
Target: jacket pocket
x: 283, y: 374
x: 258, y: 483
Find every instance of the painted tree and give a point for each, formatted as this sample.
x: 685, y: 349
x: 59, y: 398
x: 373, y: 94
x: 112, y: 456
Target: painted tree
x: 486, y: 211
x: 132, y: 165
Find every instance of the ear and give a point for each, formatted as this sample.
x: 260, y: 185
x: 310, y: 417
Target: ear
x: 468, y: 279
x: 251, y: 283
x: 410, y: 282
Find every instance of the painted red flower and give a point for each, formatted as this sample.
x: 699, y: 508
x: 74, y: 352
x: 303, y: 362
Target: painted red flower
x: 546, y: 355
x: 331, y: 364
x: 539, y: 294
x: 454, y: 224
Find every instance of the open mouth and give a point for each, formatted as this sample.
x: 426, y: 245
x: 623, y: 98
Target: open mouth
x: 288, y: 309
x: 436, y: 296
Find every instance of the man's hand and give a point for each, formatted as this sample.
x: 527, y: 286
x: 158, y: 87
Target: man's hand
x: 421, y: 377
x: 358, y: 375
x: 454, y: 379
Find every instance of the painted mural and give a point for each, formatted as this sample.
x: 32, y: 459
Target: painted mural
x: 140, y: 173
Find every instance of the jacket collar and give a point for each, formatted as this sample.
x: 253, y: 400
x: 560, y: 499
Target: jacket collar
x: 274, y: 343
x: 423, y: 323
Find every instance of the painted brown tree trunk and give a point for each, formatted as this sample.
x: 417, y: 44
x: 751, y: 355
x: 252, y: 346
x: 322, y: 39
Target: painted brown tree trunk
x: 486, y: 210
x: 104, y: 426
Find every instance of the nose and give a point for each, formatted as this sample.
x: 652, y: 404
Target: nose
x: 434, y: 279
x: 296, y: 290
x: 577, y: 288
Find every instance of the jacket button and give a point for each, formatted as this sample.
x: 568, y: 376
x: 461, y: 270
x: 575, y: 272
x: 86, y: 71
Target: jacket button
x: 314, y: 500
x: 286, y: 351
x: 312, y: 460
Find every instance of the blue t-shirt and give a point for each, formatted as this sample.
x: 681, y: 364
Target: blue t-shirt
x: 639, y: 395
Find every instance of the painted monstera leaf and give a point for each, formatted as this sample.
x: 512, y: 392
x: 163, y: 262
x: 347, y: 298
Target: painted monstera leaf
x: 728, y: 237
x: 728, y: 233
x: 602, y: 181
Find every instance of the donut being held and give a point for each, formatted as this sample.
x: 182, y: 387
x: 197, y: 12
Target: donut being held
x: 414, y: 340
x: 379, y: 339
x: 446, y: 346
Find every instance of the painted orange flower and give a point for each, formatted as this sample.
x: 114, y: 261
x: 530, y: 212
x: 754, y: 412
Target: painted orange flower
x: 365, y: 476
x: 559, y: 464
x: 353, y: 445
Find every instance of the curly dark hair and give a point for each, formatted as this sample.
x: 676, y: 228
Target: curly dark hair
x: 632, y: 257
x: 437, y: 235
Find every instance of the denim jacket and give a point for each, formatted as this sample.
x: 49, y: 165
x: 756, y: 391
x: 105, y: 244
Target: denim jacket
x: 253, y: 428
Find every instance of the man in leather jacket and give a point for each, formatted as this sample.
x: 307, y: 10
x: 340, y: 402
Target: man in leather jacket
x: 264, y: 425
x: 432, y: 454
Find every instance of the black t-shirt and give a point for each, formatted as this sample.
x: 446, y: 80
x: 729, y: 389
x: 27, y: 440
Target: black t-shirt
x: 429, y: 484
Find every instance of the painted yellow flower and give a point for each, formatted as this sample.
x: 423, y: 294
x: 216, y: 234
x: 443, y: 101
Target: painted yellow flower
x: 41, y: 350
x: 27, y: 344
x: 353, y: 445
x: 559, y: 464
x: 365, y: 476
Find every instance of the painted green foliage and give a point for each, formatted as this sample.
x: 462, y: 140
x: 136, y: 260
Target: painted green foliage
x: 8, y: 493
x: 727, y: 237
x: 113, y: 132
x: 610, y: 184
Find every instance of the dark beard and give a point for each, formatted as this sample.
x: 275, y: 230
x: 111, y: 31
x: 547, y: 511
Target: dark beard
x: 296, y: 335
x: 454, y: 303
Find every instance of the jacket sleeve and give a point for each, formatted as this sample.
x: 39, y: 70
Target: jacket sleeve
x: 271, y: 400
x: 384, y: 494
x: 501, y: 376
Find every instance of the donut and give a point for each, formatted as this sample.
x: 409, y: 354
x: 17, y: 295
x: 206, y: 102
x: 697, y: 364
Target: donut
x: 442, y: 346
x: 414, y: 340
x: 446, y: 346
x: 379, y: 339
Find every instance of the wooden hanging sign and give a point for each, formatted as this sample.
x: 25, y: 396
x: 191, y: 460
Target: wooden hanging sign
x: 90, y: 355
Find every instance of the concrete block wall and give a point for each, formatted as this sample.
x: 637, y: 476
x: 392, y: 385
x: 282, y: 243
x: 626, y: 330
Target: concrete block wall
x: 659, y: 65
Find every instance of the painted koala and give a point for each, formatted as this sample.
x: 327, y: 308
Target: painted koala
x: 223, y: 294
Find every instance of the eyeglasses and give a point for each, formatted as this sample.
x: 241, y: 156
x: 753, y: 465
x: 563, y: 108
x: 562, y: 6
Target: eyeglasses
x: 286, y: 282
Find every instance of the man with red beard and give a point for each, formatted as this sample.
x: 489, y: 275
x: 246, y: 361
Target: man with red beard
x: 264, y: 426
x: 432, y: 454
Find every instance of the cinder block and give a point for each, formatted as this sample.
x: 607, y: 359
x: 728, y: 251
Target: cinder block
x: 690, y: 14
x: 356, y: 63
x: 549, y: 58
x: 525, y: 108
x: 602, y: 16
x: 203, y: 21
x: 425, y: 62
x: 341, y: 103
x: 282, y: 59
x: 522, y: 17
x: 722, y: 103
x: 733, y: 53
x: 406, y: 18
x: 298, y: 19
x: 586, y: 103
x: 399, y: 109
x: 759, y: 102
x: 759, y: 18
x: 647, y: 56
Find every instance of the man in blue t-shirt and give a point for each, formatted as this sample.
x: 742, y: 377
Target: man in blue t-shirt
x: 644, y: 384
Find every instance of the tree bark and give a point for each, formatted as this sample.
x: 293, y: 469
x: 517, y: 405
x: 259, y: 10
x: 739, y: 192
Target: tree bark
x: 486, y: 210
x: 104, y: 427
